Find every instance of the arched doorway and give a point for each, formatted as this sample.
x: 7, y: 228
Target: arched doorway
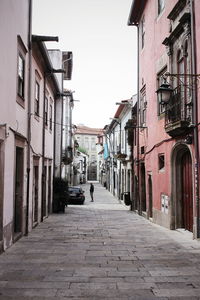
x: 187, y: 195
x: 182, y: 188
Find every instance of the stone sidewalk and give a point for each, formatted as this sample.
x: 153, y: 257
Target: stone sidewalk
x: 101, y: 250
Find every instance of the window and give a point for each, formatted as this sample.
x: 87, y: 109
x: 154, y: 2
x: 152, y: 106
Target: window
x: 21, y: 75
x: 93, y: 144
x: 142, y: 32
x: 100, y: 139
x: 142, y: 150
x: 123, y: 138
x: 86, y: 143
x: 160, y: 80
x: 161, y: 161
x: 188, y: 80
x: 180, y: 67
x: 21, y: 72
x: 50, y: 117
x: 46, y: 111
x: 93, y: 158
x: 37, y: 98
x: 78, y: 140
x: 143, y: 105
x: 161, y: 6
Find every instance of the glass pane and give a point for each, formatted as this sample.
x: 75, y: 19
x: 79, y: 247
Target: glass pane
x: 161, y: 5
x: 37, y: 91
x: 20, y: 67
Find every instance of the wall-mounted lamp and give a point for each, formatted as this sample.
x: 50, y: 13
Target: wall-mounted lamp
x: 189, y: 139
x: 164, y: 93
x: 117, y: 120
x: 165, y: 90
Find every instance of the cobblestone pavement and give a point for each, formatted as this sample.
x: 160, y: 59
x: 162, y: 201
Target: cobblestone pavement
x: 101, y: 250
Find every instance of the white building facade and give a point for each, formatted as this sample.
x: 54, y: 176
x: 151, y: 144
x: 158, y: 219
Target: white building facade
x: 87, y: 139
x: 117, y: 152
x: 28, y: 95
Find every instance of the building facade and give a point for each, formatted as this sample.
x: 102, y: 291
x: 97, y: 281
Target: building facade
x: 117, y: 151
x: 80, y: 163
x: 68, y: 148
x: 87, y: 139
x: 13, y: 132
x: 27, y: 123
x: 166, y: 168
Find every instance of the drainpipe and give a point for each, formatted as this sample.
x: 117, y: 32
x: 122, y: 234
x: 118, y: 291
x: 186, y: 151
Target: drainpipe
x: 120, y: 164
x: 114, y: 175
x: 43, y: 147
x: 61, y: 129
x: 70, y: 103
x: 54, y: 155
x: 195, y: 115
x: 29, y: 114
x: 138, y: 130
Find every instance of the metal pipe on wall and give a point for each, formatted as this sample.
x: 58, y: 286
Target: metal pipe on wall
x: 29, y: 113
x: 138, y: 129
x: 43, y: 148
x: 195, y: 116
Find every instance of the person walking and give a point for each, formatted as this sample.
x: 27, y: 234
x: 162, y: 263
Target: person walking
x: 91, y: 192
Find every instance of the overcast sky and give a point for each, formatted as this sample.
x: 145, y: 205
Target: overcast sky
x: 104, y: 52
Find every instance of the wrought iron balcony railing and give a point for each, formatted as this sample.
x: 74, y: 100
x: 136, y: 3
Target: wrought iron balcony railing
x: 178, y: 113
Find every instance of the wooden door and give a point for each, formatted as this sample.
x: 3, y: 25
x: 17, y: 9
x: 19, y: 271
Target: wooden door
x: 49, y: 191
x: 19, y: 175
x: 44, y: 200
x: 35, y: 191
x: 187, y: 196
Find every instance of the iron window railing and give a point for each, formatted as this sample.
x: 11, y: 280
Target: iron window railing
x: 178, y: 109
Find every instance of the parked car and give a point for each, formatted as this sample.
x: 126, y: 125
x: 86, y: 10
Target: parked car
x: 75, y: 195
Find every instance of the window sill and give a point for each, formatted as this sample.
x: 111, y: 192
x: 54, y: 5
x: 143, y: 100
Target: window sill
x: 20, y: 100
x: 36, y: 116
x: 160, y: 15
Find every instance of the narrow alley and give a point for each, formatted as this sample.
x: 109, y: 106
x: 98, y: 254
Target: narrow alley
x: 101, y: 250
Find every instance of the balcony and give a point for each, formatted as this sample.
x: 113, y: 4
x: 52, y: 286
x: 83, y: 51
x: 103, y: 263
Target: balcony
x: 178, y: 113
x: 119, y: 155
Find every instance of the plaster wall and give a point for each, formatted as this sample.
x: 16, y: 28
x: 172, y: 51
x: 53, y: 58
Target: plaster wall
x: 49, y: 134
x: 56, y: 58
x: 153, y: 58
x: 36, y: 121
x: 197, y: 30
x: 13, y: 23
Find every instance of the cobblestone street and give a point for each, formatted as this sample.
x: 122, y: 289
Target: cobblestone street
x: 101, y: 250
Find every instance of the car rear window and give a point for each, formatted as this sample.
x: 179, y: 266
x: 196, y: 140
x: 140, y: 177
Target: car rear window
x: 74, y: 190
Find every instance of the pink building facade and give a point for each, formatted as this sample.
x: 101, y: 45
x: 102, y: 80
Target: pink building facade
x: 166, y: 144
